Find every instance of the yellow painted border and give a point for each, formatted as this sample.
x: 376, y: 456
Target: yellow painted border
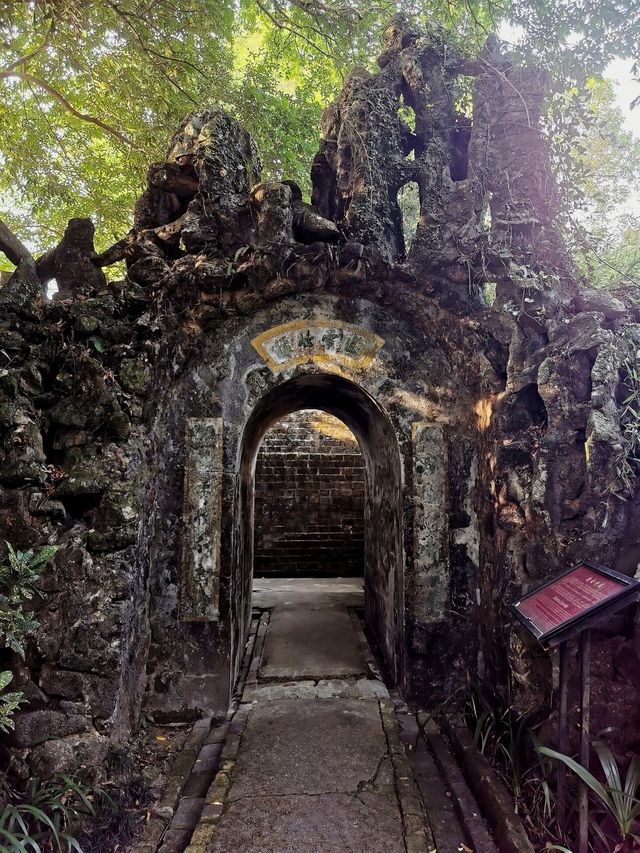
x: 375, y: 341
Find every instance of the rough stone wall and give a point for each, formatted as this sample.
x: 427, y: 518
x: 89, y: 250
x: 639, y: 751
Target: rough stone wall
x: 525, y: 396
x: 75, y: 472
x: 309, y: 499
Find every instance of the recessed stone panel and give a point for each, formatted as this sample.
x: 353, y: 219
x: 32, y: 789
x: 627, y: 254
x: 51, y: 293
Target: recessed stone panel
x: 431, y: 572
x: 202, y: 508
x: 317, y: 342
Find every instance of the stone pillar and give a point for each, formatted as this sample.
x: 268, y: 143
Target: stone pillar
x: 429, y: 591
x: 202, y: 511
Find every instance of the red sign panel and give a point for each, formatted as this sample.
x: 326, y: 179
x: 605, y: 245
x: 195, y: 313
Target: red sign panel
x: 568, y: 597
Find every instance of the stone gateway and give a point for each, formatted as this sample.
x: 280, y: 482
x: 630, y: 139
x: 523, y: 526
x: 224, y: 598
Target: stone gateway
x: 492, y: 435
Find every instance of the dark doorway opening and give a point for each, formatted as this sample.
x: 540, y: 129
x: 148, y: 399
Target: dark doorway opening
x: 309, y: 499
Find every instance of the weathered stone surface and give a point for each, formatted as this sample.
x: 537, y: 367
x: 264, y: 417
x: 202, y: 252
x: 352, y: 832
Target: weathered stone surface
x: 202, y: 507
x: 134, y: 375
x: 94, y: 691
x: 430, y: 574
x: 534, y: 467
x: 83, y: 482
x: 33, y: 727
x: 64, y: 755
x: 22, y: 293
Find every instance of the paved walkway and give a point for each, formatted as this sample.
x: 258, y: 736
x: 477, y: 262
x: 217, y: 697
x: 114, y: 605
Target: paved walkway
x: 311, y: 635
x: 315, y: 770
x: 315, y: 755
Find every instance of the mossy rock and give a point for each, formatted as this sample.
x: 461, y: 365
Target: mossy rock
x: 83, y: 482
x: 8, y: 384
x: 70, y: 412
x: 23, y: 292
x: 134, y: 376
x: 86, y: 325
x: 97, y: 309
x: 119, y: 507
x: 112, y: 540
x: 10, y: 341
x: 116, y: 331
x: 20, y: 473
x: 30, y: 442
x: 119, y: 424
x: 8, y: 414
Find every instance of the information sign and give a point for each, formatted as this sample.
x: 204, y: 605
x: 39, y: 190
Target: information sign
x: 554, y: 612
x: 561, y: 607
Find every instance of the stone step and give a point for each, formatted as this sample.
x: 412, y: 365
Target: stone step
x: 360, y: 688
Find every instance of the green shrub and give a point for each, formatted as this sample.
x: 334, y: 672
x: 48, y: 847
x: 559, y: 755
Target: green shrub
x: 619, y: 800
x: 44, y: 815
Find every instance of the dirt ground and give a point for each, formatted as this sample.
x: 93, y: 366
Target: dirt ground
x: 136, y: 774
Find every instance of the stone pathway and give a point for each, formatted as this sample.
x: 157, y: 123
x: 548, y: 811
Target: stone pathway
x: 315, y: 754
x: 315, y: 769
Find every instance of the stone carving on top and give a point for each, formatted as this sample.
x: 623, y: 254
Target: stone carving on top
x: 326, y: 342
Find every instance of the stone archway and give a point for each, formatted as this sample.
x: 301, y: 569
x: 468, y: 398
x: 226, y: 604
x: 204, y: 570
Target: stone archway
x: 414, y: 422
x: 383, y: 573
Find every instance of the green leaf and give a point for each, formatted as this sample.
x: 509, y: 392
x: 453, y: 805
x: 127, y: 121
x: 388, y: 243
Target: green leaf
x: 632, y: 782
x: 588, y: 778
x: 98, y: 344
x: 17, y: 845
x: 72, y: 843
x: 41, y: 817
x: 44, y: 555
x: 78, y: 791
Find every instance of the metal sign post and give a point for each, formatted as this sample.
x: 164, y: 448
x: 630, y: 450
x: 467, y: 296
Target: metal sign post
x: 565, y: 607
x: 585, y: 695
x: 563, y: 735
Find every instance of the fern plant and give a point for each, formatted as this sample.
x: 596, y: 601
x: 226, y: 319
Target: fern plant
x: 628, y: 463
x: 18, y: 578
x: 9, y: 702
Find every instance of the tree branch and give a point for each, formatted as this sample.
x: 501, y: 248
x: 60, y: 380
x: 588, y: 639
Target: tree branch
x: 29, y: 56
x: 125, y: 16
x: 12, y: 246
x: 281, y: 25
x: 57, y: 96
x: 117, y: 252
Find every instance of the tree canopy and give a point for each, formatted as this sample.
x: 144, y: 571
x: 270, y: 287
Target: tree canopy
x: 93, y: 89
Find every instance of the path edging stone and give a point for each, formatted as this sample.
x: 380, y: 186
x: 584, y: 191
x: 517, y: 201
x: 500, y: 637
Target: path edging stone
x: 490, y: 793
x: 185, y: 794
x: 417, y: 834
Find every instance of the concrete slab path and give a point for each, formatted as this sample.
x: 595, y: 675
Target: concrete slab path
x: 312, y: 774
x: 314, y: 755
x: 310, y: 642
x: 316, y: 772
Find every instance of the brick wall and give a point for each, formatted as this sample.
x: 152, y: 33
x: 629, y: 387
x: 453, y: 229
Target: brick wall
x: 309, y: 499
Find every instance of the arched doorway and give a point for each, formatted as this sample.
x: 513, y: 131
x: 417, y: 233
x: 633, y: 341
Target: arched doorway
x: 383, y: 566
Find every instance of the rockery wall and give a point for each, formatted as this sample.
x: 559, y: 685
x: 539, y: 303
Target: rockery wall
x: 496, y: 442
